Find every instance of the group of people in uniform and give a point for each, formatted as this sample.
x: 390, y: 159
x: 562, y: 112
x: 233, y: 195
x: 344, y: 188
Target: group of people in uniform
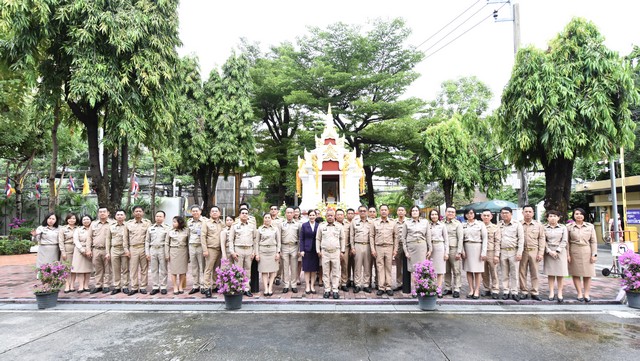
x: 345, y: 248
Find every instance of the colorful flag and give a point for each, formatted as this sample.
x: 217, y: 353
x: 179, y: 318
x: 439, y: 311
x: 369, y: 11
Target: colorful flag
x: 38, y: 190
x: 72, y: 184
x: 135, y: 187
x: 85, y: 186
x: 8, y: 189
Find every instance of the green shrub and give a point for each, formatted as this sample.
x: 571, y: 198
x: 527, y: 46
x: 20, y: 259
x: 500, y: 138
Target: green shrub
x: 11, y: 246
x: 20, y: 233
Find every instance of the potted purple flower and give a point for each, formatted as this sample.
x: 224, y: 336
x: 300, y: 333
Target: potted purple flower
x: 426, y: 287
x: 232, y: 281
x: 52, y: 278
x: 630, y: 263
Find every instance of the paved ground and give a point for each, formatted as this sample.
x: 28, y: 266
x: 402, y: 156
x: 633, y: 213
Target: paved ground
x: 117, y: 332
x: 18, y: 279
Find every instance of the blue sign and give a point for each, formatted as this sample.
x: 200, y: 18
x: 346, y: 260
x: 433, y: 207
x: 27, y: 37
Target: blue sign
x: 633, y: 216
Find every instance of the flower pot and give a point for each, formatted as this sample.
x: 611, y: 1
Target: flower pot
x: 233, y: 302
x: 427, y: 303
x: 633, y: 299
x: 47, y: 300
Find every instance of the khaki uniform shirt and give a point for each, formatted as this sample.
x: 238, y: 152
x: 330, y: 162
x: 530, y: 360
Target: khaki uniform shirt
x: 268, y: 237
x: 155, y: 237
x: 98, y: 233
x: 359, y: 231
x: 115, y: 237
x: 400, y: 225
x: 534, y: 237
x: 80, y: 237
x: 493, y: 238
x: 290, y: 232
x: 330, y: 237
x: 416, y: 231
x: 556, y: 238
x: 455, y: 233
x: 476, y: 232
x: 195, y: 229
x: 439, y: 234
x: 210, y: 237
x: 512, y: 237
x: 176, y: 239
x: 384, y: 233
x: 584, y: 235
x: 65, y: 236
x: 135, y: 233
x: 46, y: 235
x: 242, y: 234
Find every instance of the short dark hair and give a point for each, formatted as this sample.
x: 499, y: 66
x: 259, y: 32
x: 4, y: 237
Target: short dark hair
x: 384, y: 205
x: 339, y: 210
x: 351, y: 209
x: 69, y: 215
x: 401, y: 207
x: 136, y: 207
x: 44, y: 222
x: 434, y: 210
x: 102, y: 206
x: 528, y: 206
x: 195, y: 206
x: 161, y: 211
x: 296, y: 207
x: 469, y: 210
x: 416, y: 207
x: 508, y: 209
x: 486, y: 210
x: 181, y: 222
x: 243, y: 205
x: 120, y: 210
x: 553, y: 212
x: 314, y: 212
x: 578, y: 209
x: 230, y: 216
x: 289, y: 208
x: 363, y: 206
x: 86, y: 215
x: 212, y: 207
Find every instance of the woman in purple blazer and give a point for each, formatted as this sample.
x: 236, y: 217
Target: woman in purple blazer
x: 310, y: 260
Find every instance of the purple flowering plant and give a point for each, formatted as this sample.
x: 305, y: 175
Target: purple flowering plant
x: 52, y: 277
x: 17, y: 223
x: 425, y: 278
x: 630, y: 262
x: 232, y: 279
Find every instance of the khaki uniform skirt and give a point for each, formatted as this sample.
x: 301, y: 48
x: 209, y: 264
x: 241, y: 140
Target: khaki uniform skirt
x: 417, y: 252
x: 472, y: 262
x: 580, y: 265
x: 556, y: 267
x: 268, y: 262
x: 439, y: 264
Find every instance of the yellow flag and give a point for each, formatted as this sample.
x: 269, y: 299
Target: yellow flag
x: 85, y: 186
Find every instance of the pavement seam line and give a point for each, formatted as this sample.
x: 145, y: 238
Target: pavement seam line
x: 51, y: 333
x: 434, y: 341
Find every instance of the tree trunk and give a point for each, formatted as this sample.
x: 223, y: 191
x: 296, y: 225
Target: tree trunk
x: 99, y: 182
x: 368, y: 177
x: 53, y: 195
x: 447, y: 187
x: 196, y: 185
x: 119, y: 173
x: 153, y: 183
x: 283, y: 163
x: 558, y: 174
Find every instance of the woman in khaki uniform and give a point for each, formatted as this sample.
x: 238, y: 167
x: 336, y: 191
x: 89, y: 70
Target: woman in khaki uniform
x: 224, y: 244
x: 268, y: 253
x: 177, y: 253
x: 65, y: 243
x: 474, y: 252
x: 440, y: 242
x: 582, y: 254
x: 81, y: 266
x: 46, y: 236
x: 555, y: 257
x: 417, y: 240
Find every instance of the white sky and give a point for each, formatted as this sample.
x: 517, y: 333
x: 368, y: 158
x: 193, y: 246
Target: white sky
x: 211, y: 29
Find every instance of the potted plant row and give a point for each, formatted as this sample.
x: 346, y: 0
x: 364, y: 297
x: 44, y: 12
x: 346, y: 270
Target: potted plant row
x: 52, y: 278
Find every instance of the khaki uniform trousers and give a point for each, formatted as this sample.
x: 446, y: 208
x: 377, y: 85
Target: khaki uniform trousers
x: 529, y: 263
x: 211, y: 262
x: 453, y: 266
x: 197, y: 264
x: 289, y: 255
x: 490, y: 279
x: 138, y: 259
x: 244, y: 261
x: 362, y: 272
x: 120, y: 267
x: 346, y: 265
x: 384, y: 261
x: 509, y: 268
x: 331, y: 270
x: 399, y: 264
x: 102, y: 267
x: 158, y: 268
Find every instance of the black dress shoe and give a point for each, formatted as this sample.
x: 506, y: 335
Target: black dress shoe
x: 294, y: 290
x: 536, y: 298
x: 115, y: 291
x: 277, y: 281
x: 133, y: 292
x: 325, y: 295
x: 587, y: 299
x: 176, y: 292
x: 81, y: 291
x: 560, y: 300
x: 344, y: 289
x: 505, y: 296
x: 336, y: 295
x: 357, y: 289
x: 367, y: 290
x: 95, y: 290
x: 399, y: 288
x: 580, y: 299
x: 215, y: 290
x: 380, y: 293
x: 487, y: 293
x: 524, y: 296
x: 389, y: 292
x: 106, y: 290
x: 163, y: 292
x: 314, y: 292
x: 495, y: 296
x: 154, y: 292
x: 456, y: 294
x: 285, y: 290
x: 475, y: 297
x: 194, y: 290
x: 66, y: 291
x: 515, y: 298
x: 307, y: 292
x: 143, y: 291
x: 470, y: 295
x: 439, y: 295
x: 446, y: 292
x: 552, y: 298
x: 125, y: 290
x: 207, y: 293
x: 248, y: 293
x: 416, y: 296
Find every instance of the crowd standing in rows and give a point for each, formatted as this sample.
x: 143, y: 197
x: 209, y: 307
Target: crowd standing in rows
x: 344, y: 249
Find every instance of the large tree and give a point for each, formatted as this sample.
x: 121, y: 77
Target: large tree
x: 570, y: 100
x: 107, y: 57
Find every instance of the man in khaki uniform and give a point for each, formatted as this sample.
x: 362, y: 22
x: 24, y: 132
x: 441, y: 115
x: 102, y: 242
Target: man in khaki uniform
x: 361, y: 250
x: 276, y: 221
x: 344, y: 257
x: 196, y: 256
x: 115, y: 251
x: 290, y: 238
x: 383, y: 239
x: 490, y: 279
x: 351, y: 213
x: 135, y: 231
x: 97, y: 244
x: 372, y: 213
x: 452, y: 279
x: 533, y: 253
x: 330, y: 246
x: 401, y: 212
x: 154, y: 248
x: 211, y: 249
x: 511, y: 248
x: 244, y: 241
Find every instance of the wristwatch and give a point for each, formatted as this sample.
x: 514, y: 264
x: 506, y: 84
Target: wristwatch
x: 595, y: 255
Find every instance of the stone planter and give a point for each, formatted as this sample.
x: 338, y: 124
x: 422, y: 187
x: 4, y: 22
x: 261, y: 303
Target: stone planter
x: 233, y: 302
x: 427, y: 303
x: 633, y: 299
x: 47, y: 300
